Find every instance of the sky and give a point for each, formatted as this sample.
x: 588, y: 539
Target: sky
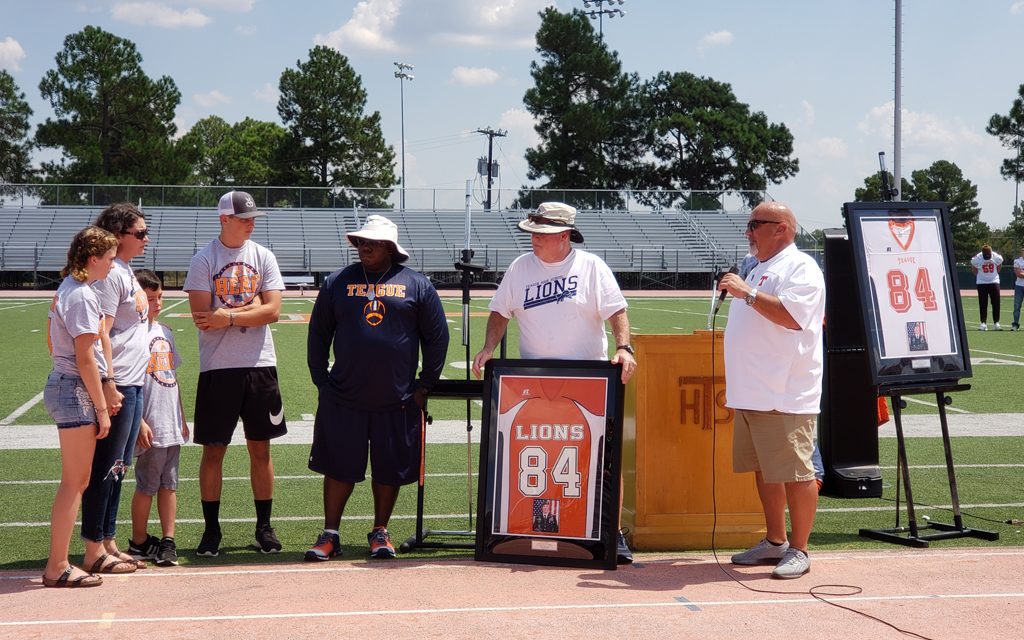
x: 824, y: 68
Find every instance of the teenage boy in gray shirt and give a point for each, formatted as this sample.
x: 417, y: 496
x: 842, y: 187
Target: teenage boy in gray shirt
x: 234, y: 289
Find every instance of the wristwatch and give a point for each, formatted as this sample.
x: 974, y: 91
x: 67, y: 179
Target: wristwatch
x: 628, y: 348
x: 751, y: 297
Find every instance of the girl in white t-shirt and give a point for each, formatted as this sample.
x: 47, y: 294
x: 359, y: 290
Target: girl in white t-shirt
x: 74, y: 391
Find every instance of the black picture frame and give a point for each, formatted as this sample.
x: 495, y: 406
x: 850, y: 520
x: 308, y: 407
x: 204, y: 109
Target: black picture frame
x: 912, y: 313
x: 587, y: 510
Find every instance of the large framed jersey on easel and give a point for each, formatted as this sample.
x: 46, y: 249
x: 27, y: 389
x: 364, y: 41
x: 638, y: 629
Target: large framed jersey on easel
x: 550, y: 457
x: 914, y: 321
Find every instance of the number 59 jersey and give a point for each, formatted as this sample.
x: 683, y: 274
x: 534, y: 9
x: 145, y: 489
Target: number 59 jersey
x: 550, y: 438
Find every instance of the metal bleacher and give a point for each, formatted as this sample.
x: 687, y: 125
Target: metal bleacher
x: 309, y: 241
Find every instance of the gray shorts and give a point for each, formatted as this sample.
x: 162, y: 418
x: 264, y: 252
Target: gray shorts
x: 67, y: 401
x: 157, y: 468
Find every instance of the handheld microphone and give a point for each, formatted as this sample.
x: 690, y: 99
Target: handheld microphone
x: 721, y: 297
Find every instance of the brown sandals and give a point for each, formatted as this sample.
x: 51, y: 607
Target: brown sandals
x: 117, y: 567
x: 86, y: 580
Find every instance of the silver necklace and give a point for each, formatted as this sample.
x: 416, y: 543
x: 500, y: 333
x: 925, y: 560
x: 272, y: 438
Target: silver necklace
x: 371, y: 290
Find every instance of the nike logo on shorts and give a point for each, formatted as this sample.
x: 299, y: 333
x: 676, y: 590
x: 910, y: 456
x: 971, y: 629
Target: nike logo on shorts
x: 277, y: 418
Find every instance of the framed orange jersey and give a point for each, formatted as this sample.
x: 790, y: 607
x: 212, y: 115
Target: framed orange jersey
x: 550, y: 458
x: 911, y: 308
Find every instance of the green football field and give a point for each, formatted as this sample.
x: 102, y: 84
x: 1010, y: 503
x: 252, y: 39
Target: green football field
x: 990, y: 470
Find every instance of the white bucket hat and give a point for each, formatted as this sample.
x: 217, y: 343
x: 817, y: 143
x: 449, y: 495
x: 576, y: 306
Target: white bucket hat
x: 553, y: 217
x: 380, y: 228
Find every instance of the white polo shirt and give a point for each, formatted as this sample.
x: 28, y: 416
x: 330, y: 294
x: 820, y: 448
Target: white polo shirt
x: 769, y: 367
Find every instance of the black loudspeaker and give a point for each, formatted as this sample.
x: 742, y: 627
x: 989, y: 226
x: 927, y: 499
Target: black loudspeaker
x: 848, y: 428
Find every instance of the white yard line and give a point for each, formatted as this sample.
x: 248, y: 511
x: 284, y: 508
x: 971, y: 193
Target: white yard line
x: 22, y: 410
x: 25, y: 304
x: 932, y: 405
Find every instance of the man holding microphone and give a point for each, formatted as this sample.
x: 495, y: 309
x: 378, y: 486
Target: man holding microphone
x: 773, y: 374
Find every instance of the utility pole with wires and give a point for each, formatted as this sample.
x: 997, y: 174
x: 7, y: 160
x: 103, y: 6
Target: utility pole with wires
x: 491, y: 135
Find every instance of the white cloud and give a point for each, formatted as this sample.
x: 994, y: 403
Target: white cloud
x: 237, y: 6
x: 474, y: 76
x: 919, y: 128
x: 714, y: 39
x: 520, y: 126
x: 268, y: 93
x: 830, y: 148
x: 179, y: 122
x: 1017, y: 7
x: 490, y: 24
x: 157, y: 14
x: 211, y: 99
x: 368, y: 28
x: 806, y: 113
x: 11, y: 54
x: 245, y: 30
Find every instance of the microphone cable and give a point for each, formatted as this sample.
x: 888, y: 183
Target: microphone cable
x: 820, y: 592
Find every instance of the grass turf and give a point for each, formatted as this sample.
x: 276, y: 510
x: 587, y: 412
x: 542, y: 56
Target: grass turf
x: 297, y: 508
x: 28, y: 482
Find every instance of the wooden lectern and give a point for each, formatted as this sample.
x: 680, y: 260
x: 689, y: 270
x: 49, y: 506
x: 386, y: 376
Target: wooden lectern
x: 674, y: 418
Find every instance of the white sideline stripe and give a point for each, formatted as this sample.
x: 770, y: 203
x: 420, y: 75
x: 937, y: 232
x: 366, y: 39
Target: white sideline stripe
x: 932, y: 404
x: 23, y: 409
x: 368, y: 518
x: 25, y: 304
x: 678, y: 311
x: 462, y: 475
x: 245, y: 478
x: 452, y: 516
x: 998, y: 353
x: 689, y: 604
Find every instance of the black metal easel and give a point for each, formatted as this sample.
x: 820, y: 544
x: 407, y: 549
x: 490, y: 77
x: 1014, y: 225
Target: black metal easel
x: 453, y: 389
x: 914, y: 537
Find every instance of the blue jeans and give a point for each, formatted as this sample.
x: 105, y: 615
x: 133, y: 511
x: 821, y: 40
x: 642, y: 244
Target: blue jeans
x: 112, y: 458
x: 1018, y: 296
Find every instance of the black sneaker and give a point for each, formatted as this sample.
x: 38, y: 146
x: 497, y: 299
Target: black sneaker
x: 209, y: 546
x: 167, y: 556
x: 622, y: 554
x: 145, y: 551
x: 266, y: 539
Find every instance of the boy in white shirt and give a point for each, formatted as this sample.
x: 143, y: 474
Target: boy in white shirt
x: 161, y: 435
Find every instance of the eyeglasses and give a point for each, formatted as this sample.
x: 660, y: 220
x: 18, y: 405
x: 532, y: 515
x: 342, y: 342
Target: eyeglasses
x: 139, y: 235
x: 371, y: 244
x: 752, y: 225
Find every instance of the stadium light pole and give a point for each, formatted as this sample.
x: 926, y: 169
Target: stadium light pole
x: 599, y: 12
x: 403, y: 74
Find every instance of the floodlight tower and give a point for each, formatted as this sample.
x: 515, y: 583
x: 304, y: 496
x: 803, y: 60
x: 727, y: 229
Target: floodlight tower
x: 598, y: 12
x: 403, y: 74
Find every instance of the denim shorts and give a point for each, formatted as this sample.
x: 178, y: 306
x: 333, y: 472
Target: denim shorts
x: 67, y: 401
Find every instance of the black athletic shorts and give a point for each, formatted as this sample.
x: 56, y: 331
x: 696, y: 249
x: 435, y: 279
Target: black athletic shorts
x: 344, y: 438
x: 225, y: 395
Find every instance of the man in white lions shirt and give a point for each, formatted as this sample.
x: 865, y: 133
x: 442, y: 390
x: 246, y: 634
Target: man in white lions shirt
x: 773, y: 373
x: 561, y: 298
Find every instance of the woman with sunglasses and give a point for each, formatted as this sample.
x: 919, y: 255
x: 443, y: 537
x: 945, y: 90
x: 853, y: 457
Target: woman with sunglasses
x: 125, y: 323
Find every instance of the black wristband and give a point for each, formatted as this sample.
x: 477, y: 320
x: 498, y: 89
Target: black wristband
x: 628, y: 348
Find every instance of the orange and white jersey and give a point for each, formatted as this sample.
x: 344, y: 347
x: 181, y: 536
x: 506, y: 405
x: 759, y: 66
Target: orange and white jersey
x: 907, y: 273
x: 551, y: 434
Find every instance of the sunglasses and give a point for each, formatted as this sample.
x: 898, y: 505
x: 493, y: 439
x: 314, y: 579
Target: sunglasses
x: 370, y: 244
x: 139, y: 235
x: 752, y: 225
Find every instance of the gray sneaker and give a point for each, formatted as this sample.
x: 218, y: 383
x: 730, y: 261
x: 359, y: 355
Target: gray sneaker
x: 793, y: 565
x: 763, y: 552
